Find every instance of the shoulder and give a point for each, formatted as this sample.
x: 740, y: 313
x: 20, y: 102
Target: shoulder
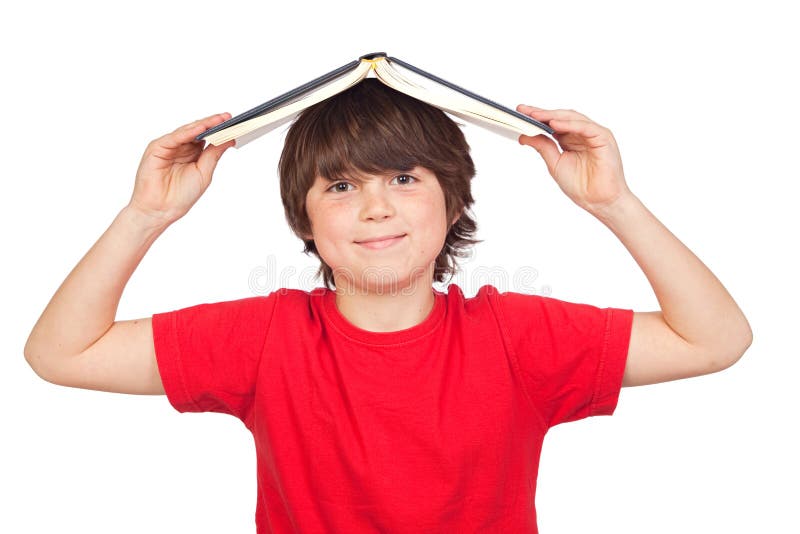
x: 507, y: 302
x: 512, y: 302
x: 301, y: 304
x: 487, y: 302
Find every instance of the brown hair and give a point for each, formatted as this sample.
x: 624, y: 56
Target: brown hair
x: 373, y: 129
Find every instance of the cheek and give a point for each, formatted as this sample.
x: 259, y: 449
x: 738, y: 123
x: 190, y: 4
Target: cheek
x: 435, y: 214
x: 324, y: 219
x: 431, y: 222
x: 331, y: 231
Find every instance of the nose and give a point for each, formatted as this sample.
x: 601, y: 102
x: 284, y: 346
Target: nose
x: 376, y: 203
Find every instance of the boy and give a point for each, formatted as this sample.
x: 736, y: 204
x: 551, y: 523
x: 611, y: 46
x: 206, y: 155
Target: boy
x: 385, y: 405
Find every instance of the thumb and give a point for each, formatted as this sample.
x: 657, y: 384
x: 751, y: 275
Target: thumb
x: 207, y: 161
x: 546, y: 148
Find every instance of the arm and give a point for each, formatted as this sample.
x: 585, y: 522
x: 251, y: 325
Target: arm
x: 700, y: 329
x: 76, y: 341
x: 83, y: 308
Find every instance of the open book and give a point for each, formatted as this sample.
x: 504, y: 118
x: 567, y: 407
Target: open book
x: 398, y: 75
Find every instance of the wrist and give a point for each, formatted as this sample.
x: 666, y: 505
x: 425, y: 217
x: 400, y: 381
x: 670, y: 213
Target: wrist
x: 142, y: 221
x: 618, y: 211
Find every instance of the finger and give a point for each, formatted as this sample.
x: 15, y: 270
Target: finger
x: 207, y: 161
x: 188, y: 132
x: 584, y: 128
x: 545, y: 115
x: 546, y: 148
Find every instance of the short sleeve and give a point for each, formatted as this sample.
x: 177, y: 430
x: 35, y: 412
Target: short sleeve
x: 208, y: 355
x: 571, y: 356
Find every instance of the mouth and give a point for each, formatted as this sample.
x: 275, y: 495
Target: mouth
x: 381, y: 242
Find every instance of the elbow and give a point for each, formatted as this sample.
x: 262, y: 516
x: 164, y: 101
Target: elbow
x: 31, y: 353
x: 733, y: 353
x: 746, y: 345
x: 737, y: 338
x: 746, y: 341
x: 38, y: 364
x: 35, y: 362
x: 42, y: 372
x: 30, y: 357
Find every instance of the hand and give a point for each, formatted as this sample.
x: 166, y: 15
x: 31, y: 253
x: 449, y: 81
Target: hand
x: 589, y: 170
x: 175, y: 171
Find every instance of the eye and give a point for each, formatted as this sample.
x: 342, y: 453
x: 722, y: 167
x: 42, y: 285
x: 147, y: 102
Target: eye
x: 410, y: 178
x: 336, y: 185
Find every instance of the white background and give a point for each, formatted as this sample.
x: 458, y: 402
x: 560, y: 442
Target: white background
x: 701, y: 98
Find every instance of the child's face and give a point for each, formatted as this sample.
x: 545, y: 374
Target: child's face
x: 346, y: 212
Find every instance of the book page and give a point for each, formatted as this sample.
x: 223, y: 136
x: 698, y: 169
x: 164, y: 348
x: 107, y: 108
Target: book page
x: 289, y: 111
x: 463, y: 106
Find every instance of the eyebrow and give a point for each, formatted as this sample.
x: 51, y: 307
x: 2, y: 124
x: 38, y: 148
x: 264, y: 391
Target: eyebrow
x: 359, y: 179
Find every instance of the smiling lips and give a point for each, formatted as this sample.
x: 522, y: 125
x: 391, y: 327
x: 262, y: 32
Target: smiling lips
x: 381, y: 242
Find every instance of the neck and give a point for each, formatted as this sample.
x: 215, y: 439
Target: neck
x: 385, y: 312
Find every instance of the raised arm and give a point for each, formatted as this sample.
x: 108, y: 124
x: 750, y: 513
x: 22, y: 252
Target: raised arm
x: 76, y: 341
x: 700, y: 328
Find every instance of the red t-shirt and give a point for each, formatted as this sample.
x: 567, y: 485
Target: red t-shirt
x: 435, y: 428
